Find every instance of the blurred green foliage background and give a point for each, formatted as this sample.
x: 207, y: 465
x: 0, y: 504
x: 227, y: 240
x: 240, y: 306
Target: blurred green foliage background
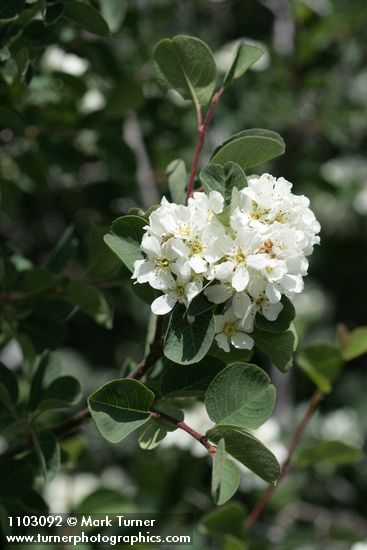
x: 85, y: 135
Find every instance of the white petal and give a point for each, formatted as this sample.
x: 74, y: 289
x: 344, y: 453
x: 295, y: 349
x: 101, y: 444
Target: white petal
x: 161, y: 280
x: 192, y: 290
x: 137, y: 267
x: 144, y: 271
x: 151, y: 246
x: 198, y: 264
x: 272, y: 293
x: 182, y: 269
x: 258, y: 261
x: 241, y: 340
x: 240, y: 279
x: 163, y: 304
x: 247, y: 323
x: 175, y: 247
x: 217, y: 293
x: 293, y: 283
x: 216, y: 202
x: 241, y: 304
x: 224, y: 270
x: 219, y: 323
x: 222, y: 342
x: 271, y: 311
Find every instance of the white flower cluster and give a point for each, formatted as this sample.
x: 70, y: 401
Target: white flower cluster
x: 247, y: 265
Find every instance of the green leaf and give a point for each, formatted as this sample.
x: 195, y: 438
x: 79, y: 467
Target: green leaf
x: 233, y: 356
x: 240, y: 395
x: 356, y: 344
x: 104, y: 501
x: 226, y: 477
x: 225, y: 520
x: 155, y: 430
x: 10, y: 9
x: 177, y: 180
x: 125, y: 239
x: 11, y: 119
x: 245, y: 56
x: 87, y: 17
x: 223, y: 179
x: 63, y: 251
x: 283, y: 321
x: 249, y: 148
x: 233, y: 543
x: 38, y: 280
x: 187, y: 65
x: 189, y: 380
x: 48, y: 369
x: 63, y: 392
x: 332, y: 452
x: 53, y: 13
x: 120, y: 407
x: 90, y: 300
x: 8, y: 386
x: 278, y: 347
x: 188, y: 341
x: 322, y: 363
x: 48, y: 453
x: 16, y: 478
x: 200, y: 304
x: 248, y: 450
x: 114, y: 12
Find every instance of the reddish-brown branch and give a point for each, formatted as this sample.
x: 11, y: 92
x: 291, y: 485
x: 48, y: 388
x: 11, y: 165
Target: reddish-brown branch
x: 69, y: 426
x: 297, y: 436
x: 202, y: 128
x: 183, y: 426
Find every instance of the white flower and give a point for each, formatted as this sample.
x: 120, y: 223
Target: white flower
x: 163, y: 260
x: 228, y: 331
x: 247, y: 265
x: 234, y: 267
x: 181, y: 291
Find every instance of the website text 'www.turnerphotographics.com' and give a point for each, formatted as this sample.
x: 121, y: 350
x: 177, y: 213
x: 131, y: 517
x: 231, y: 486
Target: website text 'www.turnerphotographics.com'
x: 108, y: 529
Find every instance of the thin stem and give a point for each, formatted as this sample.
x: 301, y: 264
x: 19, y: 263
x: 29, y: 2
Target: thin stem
x: 155, y: 352
x: 68, y: 428
x: 202, y: 128
x: 297, y: 436
x: 183, y: 426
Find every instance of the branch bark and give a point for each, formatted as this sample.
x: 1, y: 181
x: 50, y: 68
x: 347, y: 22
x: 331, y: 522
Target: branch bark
x: 202, y: 129
x: 183, y: 426
x: 71, y: 425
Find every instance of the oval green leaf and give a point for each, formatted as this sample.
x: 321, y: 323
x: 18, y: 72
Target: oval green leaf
x: 188, y: 341
x: 240, y: 395
x: 245, y: 56
x: 125, y: 238
x: 120, y: 407
x: 187, y: 65
x: 250, y: 148
x: 87, y: 17
x: 322, y: 363
x: 279, y: 347
x: 189, y: 380
x: 248, y: 450
x: 225, y: 477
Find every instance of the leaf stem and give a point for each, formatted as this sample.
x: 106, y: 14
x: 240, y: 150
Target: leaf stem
x: 202, y: 129
x: 183, y: 426
x: 297, y: 436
